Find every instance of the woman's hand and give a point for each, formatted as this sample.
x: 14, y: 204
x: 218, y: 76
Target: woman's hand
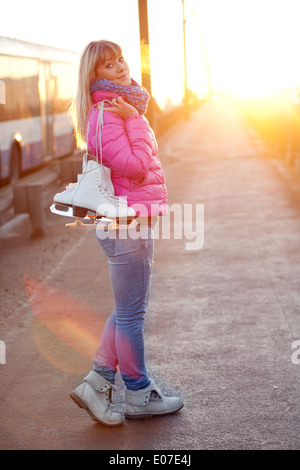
x: 121, y: 108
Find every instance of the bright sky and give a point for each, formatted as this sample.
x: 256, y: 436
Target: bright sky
x: 252, y: 46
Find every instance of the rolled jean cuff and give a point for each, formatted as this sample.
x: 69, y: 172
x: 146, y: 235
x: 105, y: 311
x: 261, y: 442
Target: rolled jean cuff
x: 108, y: 374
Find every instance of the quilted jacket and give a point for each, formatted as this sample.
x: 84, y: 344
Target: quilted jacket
x: 129, y: 149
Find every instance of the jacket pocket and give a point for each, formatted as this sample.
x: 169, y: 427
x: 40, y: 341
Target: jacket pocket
x: 134, y: 184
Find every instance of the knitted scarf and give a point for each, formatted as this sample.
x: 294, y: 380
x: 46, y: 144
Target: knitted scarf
x: 134, y: 94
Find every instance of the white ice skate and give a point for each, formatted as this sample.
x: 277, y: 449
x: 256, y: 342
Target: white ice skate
x: 92, y: 197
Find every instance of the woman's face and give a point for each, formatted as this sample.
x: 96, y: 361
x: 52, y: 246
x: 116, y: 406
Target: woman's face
x: 114, y: 69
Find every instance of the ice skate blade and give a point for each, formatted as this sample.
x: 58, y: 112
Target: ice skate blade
x: 66, y: 211
x: 60, y: 209
x: 108, y: 224
x: 98, y: 222
x: 79, y: 224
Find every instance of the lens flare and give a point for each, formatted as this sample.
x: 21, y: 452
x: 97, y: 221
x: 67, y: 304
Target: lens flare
x: 65, y: 330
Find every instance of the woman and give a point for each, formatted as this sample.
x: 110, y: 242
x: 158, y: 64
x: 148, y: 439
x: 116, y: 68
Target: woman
x: 130, y: 151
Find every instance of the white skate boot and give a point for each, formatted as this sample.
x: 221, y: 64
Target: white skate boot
x: 63, y: 200
x: 93, y: 192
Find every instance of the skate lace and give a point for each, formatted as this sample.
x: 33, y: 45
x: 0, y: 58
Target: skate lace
x: 100, y: 124
x: 116, y: 200
x: 103, y: 189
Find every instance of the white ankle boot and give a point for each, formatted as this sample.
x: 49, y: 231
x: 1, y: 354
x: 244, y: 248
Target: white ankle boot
x: 95, y: 395
x: 149, y: 401
x: 94, y: 192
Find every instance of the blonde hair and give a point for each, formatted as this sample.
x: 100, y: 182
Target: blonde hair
x: 92, y: 56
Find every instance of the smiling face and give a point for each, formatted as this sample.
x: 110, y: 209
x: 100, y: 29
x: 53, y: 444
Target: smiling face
x: 115, y: 69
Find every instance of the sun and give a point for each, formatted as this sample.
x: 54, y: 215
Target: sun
x: 252, y: 47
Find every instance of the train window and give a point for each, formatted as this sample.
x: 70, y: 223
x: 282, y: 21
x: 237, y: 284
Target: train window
x: 20, y: 77
x: 63, y: 79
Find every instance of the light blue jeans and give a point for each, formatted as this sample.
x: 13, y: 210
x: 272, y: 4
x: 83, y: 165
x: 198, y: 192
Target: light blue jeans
x: 122, y: 340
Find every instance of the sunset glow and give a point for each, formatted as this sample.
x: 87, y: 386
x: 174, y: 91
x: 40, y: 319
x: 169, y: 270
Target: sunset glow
x: 252, y: 46
x: 247, y: 48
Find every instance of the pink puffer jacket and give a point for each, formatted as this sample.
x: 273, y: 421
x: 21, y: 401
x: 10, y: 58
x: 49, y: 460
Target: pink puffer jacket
x: 129, y: 149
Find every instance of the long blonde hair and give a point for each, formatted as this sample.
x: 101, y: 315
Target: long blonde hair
x: 92, y: 56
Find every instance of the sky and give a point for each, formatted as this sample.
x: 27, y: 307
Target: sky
x: 72, y: 25
x: 242, y: 46
x: 254, y: 45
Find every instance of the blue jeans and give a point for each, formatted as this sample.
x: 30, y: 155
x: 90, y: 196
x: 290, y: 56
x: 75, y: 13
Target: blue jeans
x: 122, y: 340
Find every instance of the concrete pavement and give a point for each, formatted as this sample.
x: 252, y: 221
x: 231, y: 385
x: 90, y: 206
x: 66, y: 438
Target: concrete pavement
x: 221, y: 323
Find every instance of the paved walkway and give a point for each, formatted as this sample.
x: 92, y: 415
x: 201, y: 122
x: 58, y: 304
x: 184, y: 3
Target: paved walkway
x: 221, y: 321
